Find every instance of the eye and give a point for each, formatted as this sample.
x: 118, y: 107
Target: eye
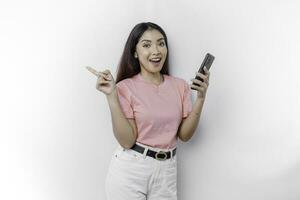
x: 162, y: 44
x: 146, y: 45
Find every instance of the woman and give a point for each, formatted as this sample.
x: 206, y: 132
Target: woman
x: 149, y: 109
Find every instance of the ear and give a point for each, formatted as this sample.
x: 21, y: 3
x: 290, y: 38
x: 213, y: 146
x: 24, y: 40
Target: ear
x: 135, y: 55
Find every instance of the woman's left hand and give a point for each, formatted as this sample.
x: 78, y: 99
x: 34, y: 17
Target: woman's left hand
x: 203, y: 84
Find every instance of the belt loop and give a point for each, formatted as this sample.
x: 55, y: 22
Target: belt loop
x: 171, y: 153
x: 145, y: 152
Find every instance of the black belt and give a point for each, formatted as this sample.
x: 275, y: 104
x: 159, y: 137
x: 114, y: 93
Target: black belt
x: 161, y: 155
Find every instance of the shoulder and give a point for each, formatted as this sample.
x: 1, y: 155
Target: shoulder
x: 126, y: 84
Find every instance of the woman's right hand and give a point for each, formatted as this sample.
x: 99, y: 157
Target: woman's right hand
x: 105, y: 82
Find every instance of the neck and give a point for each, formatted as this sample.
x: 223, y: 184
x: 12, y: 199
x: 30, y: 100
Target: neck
x: 155, y: 78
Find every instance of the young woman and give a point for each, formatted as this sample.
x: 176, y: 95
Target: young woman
x: 149, y: 109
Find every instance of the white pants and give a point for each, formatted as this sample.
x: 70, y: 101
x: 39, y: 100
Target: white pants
x: 135, y: 176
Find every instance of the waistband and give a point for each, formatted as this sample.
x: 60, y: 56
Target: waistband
x: 155, y: 148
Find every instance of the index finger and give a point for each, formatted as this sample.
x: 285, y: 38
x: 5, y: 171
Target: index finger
x: 92, y: 70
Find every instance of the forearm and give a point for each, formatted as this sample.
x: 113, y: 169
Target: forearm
x: 188, y: 125
x: 122, y: 129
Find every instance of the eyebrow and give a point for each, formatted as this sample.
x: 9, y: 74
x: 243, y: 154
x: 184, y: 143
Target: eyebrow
x: 150, y: 40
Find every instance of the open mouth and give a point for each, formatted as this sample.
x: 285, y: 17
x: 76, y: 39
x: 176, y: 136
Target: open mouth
x: 155, y: 60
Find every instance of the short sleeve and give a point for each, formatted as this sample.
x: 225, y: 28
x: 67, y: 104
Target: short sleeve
x: 124, y: 95
x: 187, y: 100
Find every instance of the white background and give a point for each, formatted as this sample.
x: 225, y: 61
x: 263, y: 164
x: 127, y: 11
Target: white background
x: 56, y: 136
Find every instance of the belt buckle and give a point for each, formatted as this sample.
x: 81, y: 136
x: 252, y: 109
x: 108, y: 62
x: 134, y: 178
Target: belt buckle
x: 161, y: 153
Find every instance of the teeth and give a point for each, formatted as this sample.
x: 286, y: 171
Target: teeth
x: 155, y: 60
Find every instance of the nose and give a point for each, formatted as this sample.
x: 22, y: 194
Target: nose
x: 155, y: 50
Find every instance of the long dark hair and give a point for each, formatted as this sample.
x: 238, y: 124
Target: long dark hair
x: 130, y: 66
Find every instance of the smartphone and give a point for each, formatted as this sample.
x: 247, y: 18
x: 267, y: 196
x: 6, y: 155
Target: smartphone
x: 207, y: 62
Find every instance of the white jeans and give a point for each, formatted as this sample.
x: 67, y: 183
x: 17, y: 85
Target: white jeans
x: 135, y: 176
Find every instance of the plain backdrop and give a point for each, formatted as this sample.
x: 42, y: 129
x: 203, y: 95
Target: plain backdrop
x: 56, y: 136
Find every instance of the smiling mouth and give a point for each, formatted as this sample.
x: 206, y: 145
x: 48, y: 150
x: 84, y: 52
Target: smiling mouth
x: 155, y: 60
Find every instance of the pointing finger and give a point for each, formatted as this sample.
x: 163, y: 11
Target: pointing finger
x: 92, y: 70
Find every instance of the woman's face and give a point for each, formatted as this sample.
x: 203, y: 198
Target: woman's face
x: 151, y: 51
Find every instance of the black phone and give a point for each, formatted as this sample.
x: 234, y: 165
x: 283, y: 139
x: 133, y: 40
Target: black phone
x: 207, y: 62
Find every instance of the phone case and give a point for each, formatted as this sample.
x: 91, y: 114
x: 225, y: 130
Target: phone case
x: 207, y: 62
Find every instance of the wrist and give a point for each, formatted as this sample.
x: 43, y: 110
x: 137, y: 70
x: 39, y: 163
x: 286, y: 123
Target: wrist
x: 112, y: 96
x: 200, y: 98
x: 196, y: 113
x: 199, y: 101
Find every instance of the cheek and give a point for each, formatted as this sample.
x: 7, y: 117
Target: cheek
x: 143, y: 60
x: 164, y: 51
x: 144, y: 56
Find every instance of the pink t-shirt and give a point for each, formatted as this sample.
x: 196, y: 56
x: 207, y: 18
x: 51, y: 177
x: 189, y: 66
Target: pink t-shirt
x: 157, y: 110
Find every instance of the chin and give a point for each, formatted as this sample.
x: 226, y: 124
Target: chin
x: 156, y: 70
